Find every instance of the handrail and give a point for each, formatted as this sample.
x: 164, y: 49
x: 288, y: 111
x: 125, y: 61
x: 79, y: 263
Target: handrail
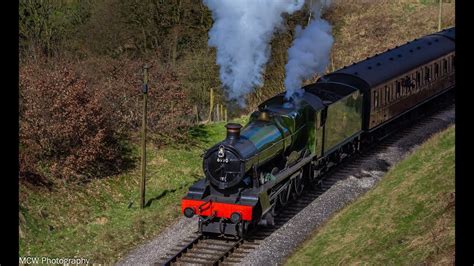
x: 200, y: 206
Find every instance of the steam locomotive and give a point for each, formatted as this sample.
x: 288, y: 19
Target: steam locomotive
x: 259, y: 168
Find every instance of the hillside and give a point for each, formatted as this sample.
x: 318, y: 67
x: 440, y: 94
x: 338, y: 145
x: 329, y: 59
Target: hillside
x: 81, y: 106
x: 407, y: 219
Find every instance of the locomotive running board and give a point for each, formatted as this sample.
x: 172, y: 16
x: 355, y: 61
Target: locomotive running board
x: 286, y: 173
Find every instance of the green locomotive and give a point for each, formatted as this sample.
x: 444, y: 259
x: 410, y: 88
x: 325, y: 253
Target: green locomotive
x: 257, y: 168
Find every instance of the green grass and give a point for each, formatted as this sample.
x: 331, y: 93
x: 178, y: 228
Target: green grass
x: 429, y: 2
x: 95, y: 220
x: 407, y: 219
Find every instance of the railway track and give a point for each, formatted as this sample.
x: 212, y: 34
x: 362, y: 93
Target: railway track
x: 202, y: 250
x: 199, y: 249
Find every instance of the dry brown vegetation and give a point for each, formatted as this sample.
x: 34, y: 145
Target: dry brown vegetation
x: 64, y: 130
x: 363, y: 28
x: 73, y: 116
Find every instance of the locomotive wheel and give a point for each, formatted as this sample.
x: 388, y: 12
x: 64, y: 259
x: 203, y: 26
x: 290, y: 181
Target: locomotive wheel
x: 299, y: 184
x: 284, y: 196
x: 273, y: 211
x: 274, y: 171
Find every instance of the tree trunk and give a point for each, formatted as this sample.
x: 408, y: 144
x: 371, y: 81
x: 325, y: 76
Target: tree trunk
x: 174, y: 47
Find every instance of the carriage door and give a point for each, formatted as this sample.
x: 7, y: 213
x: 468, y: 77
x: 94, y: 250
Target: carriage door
x: 321, y: 131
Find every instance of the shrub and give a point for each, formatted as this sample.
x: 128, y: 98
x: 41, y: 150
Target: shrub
x: 64, y: 130
x: 119, y: 85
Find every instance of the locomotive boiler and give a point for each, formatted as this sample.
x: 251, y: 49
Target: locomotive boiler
x: 277, y: 135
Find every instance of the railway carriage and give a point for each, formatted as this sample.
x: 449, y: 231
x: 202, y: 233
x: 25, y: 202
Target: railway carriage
x: 259, y: 168
x: 402, y: 78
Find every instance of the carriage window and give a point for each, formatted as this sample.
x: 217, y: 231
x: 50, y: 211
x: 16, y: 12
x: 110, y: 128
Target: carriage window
x: 373, y: 100
x: 389, y: 92
x: 387, y: 98
x: 407, y: 85
x: 376, y: 101
x: 382, y: 103
x: 403, y: 87
x: 418, y: 80
x: 380, y: 97
x: 452, y: 63
x: 436, y: 70
x: 422, y: 75
x: 392, y: 92
x: 398, y: 89
x: 427, y: 74
x: 445, y: 66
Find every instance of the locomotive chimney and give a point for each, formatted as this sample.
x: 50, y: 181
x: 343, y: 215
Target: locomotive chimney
x: 233, y: 131
x: 263, y: 116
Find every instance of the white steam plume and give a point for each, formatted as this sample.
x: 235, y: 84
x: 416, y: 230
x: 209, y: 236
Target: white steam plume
x: 310, y: 51
x: 241, y: 34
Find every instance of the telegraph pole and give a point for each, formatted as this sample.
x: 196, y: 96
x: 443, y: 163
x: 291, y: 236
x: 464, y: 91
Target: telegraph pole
x: 143, y: 166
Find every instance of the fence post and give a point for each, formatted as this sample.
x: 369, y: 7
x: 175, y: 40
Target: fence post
x: 196, y: 113
x: 222, y: 112
x: 211, y: 104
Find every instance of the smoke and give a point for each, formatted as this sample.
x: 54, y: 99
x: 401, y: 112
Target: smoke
x: 241, y: 34
x: 310, y: 51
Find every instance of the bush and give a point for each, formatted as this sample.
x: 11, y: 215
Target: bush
x: 119, y: 85
x: 64, y: 131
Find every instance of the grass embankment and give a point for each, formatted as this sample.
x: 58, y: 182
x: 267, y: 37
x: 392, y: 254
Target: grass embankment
x: 94, y: 220
x: 407, y: 219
